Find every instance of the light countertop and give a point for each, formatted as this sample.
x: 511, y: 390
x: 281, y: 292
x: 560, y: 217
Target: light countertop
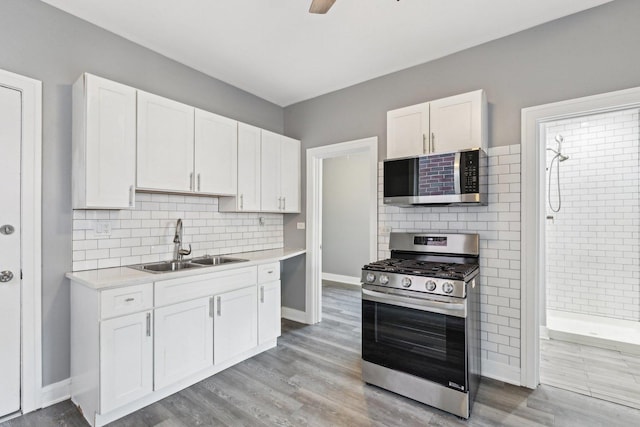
x: 105, y: 278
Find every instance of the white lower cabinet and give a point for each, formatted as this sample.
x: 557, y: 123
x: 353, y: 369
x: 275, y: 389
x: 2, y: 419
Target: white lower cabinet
x: 126, y: 360
x: 235, y: 325
x: 183, y: 340
x: 133, y: 345
x: 268, y: 311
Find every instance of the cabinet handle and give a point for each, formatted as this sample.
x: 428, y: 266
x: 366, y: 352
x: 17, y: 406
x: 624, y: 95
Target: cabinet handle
x: 424, y: 144
x: 191, y: 181
x: 279, y: 203
x: 211, y: 307
x: 198, y: 182
x: 131, y: 193
x: 148, y: 324
x: 433, y: 142
x: 219, y: 306
x: 284, y: 203
x: 129, y: 300
x: 241, y: 202
x: 262, y: 294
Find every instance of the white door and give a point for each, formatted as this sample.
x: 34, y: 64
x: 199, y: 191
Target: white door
x: 290, y: 174
x: 165, y: 144
x: 10, y: 144
x: 248, y: 168
x: 216, y: 154
x: 407, y: 131
x: 235, y: 325
x: 456, y: 122
x: 270, y: 172
x: 126, y: 360
x: 269, y: 311
x: 183, y: 340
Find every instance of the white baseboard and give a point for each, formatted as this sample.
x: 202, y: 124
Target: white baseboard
x: 295, y: 315
x: 55, y: 393
x: 501, y: 372
x: 349, y: 280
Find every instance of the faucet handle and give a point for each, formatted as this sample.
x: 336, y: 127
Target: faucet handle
x: 185, y: 251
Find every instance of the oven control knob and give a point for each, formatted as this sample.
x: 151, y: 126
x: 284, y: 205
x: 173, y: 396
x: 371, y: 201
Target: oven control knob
x: 384, y: 279
x: 371, y: 277
x: 447, y: 287
x: 431, y: 285
x: 406, y: 282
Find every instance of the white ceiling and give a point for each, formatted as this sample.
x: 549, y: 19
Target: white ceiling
x: 278, y: 51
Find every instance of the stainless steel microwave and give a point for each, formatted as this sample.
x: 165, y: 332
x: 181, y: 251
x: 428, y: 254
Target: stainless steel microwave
x: 451, y: 178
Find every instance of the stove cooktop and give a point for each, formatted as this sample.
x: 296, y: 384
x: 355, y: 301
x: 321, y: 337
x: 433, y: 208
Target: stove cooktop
x: 442, y: 270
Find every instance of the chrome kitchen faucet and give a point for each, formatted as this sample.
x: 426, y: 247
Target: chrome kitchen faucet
x: 178, y: 252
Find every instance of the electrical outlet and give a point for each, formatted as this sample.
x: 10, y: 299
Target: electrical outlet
x: 301, y: 225
x: 102, y: 228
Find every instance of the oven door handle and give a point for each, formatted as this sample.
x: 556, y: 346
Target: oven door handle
x: 446, y: 308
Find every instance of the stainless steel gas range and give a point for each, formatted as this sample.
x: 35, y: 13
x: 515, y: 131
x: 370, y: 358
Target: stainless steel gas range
x: 421, y: 320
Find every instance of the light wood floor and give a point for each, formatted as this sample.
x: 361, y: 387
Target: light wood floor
x: 606, y: 374
x: 313, y: 379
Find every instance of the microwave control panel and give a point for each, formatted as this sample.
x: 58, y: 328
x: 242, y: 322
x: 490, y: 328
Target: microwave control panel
x: 470, y: 171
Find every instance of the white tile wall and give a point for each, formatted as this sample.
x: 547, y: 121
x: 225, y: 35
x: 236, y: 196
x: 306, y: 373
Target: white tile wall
x: 498, y: 225
x: 593, y: 246
x: 146, y: 233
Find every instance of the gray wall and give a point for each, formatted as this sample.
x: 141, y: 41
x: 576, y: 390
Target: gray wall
x: 345, y: 214
x: 49, y: 45
x: 591, y: 52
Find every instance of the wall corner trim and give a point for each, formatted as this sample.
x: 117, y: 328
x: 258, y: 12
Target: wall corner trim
x: 294, y: 315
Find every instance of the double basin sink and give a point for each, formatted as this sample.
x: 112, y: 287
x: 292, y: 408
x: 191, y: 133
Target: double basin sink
x: 170, y: 266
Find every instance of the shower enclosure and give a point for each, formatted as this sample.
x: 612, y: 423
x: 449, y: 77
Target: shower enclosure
x: 592, y: 233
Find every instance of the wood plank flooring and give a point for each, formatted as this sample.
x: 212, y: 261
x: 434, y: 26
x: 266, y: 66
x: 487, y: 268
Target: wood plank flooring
x: 606, y: 374
x: 313, y: 379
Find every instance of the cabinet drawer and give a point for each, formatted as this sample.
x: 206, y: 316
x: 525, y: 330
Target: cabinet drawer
x: 129, y: 299
x: 269, y: 272
x: 188, y: 288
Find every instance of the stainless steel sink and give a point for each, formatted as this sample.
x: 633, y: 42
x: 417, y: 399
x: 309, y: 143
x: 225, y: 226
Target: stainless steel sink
x: 200, y: 262
x: 166, y: 266
x: 216, y: 260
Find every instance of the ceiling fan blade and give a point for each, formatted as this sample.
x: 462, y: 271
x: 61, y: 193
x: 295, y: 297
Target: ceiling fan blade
x: 321, y: 6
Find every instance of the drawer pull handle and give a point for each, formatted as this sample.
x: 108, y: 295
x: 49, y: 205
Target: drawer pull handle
x: 130, y: 299
x: 270, y: 272
x: 219, y: 306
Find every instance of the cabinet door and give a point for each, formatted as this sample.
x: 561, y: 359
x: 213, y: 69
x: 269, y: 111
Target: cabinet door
x: 248, y: 168
x: 126, y: 360
x: 216, y: 153
x: 268, y: 311
x: 104, y: 140
x: 290, y: 174
x: 270, y: 174
x: 165, y: 144
x: 407, y: 131
x: 183, y: 340
x: 235, y: 323
x: 457, y: 122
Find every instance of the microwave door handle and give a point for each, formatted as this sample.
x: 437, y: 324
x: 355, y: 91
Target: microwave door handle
x: 446, y: 308
x: 457, y: 173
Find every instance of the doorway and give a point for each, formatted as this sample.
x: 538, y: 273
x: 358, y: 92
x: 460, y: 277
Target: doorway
x: 556, y: 129
x: 20, y: 247
x: 315, y: 158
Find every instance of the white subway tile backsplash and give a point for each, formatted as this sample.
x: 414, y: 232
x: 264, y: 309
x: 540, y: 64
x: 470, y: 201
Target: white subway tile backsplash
x: 145, y: 234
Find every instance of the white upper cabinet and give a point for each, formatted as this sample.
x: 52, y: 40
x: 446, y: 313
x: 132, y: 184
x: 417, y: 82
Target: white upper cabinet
x: 280, y: 173
x: 449, y: 124
x: 165, y: 144
x: 216, y: 154
x: 459, y: 122
x: 247, y: 197
x: 407, y: 131
x: 104, y: 144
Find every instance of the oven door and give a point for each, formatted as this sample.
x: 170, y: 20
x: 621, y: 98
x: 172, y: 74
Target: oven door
x: 424, y: 338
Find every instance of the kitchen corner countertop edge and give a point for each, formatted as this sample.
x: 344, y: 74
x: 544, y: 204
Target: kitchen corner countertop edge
x: 106, y: 278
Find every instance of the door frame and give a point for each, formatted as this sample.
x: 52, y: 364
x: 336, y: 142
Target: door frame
x: 533, y: 211
x: 315, y: 156
x: 31, y: 256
